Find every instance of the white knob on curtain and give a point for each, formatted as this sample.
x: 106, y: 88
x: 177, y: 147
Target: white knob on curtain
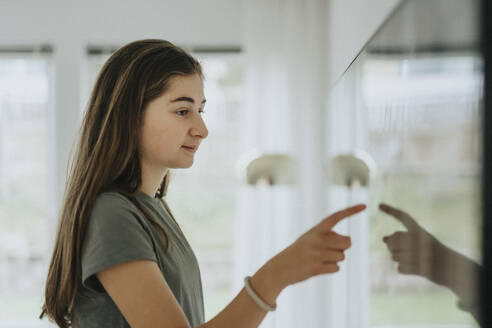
x: 351, y: 169
x: 275, y: 169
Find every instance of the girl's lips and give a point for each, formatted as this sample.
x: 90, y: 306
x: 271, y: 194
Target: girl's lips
x: 191, y: 149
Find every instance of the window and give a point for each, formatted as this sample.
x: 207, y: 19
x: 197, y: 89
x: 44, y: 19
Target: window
x: 25, y: 103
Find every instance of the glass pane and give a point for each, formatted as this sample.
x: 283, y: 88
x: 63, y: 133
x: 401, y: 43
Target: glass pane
x: 24, y: 104
x: 425, y: 137
x: 413, y: 101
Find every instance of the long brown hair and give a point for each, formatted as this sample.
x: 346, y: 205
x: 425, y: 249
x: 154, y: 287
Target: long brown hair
x: 107, y: 158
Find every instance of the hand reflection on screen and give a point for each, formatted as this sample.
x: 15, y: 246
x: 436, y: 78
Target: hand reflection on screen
x: 418, y: 252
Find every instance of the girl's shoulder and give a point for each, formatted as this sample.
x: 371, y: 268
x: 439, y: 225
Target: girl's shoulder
x: 112, y: 198
x: 113, y: 202
x: 111, y: 195
x: 113, y: 212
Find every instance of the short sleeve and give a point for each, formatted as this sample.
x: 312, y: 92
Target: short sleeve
x: 115, y: 235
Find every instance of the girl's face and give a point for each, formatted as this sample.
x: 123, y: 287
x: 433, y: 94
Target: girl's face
x: 171, y: 122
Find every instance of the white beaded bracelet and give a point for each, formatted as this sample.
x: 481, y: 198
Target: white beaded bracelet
x: 256, y: 298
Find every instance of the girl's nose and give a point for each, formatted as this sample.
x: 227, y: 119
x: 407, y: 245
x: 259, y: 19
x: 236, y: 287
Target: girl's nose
x: 200, y: 129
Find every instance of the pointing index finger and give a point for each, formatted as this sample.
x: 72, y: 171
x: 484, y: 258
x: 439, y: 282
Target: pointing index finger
x: 401, y: 216
x: 336, y: 217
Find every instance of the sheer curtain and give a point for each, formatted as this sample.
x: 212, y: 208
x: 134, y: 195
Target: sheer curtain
x: 284, y: 112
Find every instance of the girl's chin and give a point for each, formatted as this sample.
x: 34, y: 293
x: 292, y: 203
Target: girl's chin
x: 183, y: 165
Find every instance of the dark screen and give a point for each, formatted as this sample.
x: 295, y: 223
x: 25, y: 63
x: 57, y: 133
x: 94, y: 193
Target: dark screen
x: 413, y: 103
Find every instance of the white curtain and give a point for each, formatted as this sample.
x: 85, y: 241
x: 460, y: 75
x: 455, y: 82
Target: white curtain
x: 284, y: 112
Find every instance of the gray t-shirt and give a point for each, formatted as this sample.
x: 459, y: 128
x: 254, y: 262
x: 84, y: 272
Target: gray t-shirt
x: 118, y: 232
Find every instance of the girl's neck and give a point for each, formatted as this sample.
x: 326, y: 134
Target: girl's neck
x: 151, y: 179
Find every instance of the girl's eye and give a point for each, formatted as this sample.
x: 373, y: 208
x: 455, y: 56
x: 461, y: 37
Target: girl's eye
x: 186, y: 110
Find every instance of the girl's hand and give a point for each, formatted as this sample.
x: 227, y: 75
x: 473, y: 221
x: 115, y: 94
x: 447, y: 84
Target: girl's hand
x: 416, y: 251
x: 315, y: 252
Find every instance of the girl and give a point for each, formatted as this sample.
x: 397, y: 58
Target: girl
x: 120, y: 258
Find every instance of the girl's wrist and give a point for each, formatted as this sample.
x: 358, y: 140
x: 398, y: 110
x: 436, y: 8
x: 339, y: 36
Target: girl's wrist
x: 267, y: 284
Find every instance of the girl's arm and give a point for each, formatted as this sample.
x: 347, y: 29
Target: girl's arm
x: 145, y: 300
x: 243, y: 312
x: 142, y: 295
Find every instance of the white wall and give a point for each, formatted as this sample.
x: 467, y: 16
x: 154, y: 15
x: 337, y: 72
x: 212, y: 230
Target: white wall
x: 185, y: 21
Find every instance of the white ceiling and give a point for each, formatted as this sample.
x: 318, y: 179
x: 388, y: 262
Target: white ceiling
x: 211, y: 22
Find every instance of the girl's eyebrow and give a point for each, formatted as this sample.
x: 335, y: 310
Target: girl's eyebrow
x: 188, y: 99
